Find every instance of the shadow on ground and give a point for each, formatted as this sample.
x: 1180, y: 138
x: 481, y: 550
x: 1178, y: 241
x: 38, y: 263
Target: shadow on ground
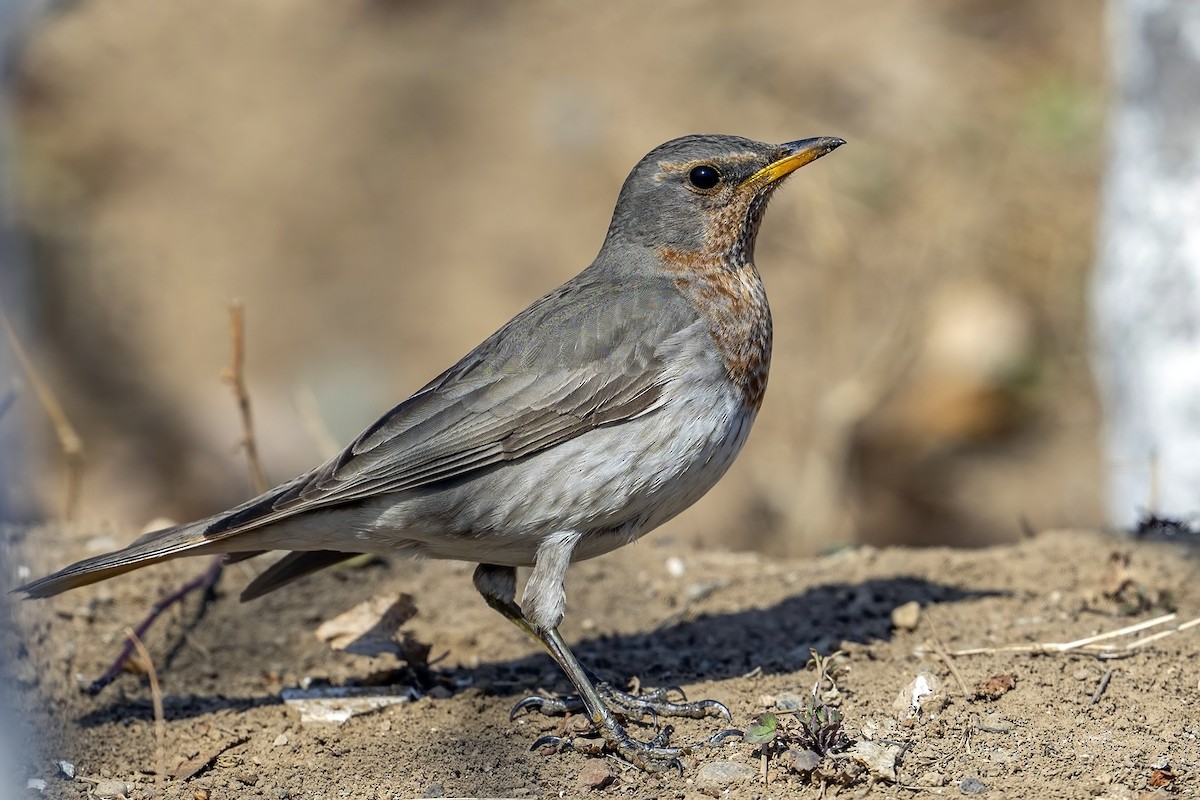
x: 710, y: 647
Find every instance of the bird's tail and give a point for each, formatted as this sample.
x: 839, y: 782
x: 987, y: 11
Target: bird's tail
x: 156, y: 546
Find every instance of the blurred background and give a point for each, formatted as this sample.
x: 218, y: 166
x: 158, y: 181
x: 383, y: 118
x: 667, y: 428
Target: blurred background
x: 384, y: 183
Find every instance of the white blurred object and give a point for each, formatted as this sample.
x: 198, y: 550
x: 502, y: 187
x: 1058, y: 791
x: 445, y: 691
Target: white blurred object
x: 16, y: 18
x: 1146, y: 289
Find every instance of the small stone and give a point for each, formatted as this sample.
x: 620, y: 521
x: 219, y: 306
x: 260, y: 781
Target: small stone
x: 972, y: 786
x: 280, y: 741
x: 1161, y: 778
x: 37, y: 784
x: 996, y: 686
x: 878, y: 757
x: 435, y: 790
x: 112, y: 788
x: 698, y: 591
x: 802, y: 761
x: 66, y: 769
x: 717, y: 776
x: 596, y: 774
x: 907, y: 616
x: 932, y: 778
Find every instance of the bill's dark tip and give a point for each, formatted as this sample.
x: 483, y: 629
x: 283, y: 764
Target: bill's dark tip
x: 821, y: 144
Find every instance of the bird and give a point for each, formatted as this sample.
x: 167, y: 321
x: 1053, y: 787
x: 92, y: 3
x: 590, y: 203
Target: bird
x: 598, y: 413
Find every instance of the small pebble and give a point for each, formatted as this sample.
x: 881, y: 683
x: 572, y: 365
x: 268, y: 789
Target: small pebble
x: 66, y: 769
x: 698, y: 591
x: 717, y: 776
x: 907, y: 616
x: 932, y: 778
x: 112, y: 788
x: 972, y: 786
x: 596, y: 774
x: 802, y: 761
x: 280, y: 740
x: 37, y: 784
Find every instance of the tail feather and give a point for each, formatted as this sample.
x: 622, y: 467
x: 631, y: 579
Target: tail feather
x: 152, y: 548
x: 292, y: 567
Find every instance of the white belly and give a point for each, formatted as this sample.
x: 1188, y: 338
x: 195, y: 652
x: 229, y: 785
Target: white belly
x: 610, y: 485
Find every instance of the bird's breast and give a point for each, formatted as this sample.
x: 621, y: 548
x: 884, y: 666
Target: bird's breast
x: 733, y: 302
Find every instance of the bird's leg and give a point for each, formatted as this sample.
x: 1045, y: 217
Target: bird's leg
x: 498, y: 587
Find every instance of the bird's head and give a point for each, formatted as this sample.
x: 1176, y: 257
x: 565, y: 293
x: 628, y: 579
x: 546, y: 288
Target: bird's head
x: 704, y: 195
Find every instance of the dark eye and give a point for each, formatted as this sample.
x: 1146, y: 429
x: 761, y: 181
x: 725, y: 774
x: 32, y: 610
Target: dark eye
x: 704, y: 177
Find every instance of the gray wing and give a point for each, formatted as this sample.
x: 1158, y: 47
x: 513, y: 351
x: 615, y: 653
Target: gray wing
x: 584, y: 356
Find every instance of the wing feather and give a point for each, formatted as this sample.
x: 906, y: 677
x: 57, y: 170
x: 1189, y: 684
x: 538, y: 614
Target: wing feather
x: 584, y: 356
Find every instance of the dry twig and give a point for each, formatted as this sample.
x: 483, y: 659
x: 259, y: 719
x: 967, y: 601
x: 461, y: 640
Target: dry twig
x: 68, y: 439
x: 1103, y: 687
x: 160, y: 730
x: 206, y: 580
x: 235, y: 377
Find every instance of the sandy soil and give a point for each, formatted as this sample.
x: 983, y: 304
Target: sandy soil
x: 735, y: 627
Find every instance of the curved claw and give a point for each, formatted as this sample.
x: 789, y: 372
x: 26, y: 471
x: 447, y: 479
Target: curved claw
x: 667, y: 691
x: 532, y: 702
x: 549, y: 706
x: 559, y: 743
x: 721, y: 710
x: 721, y: 736
x: 662, y: 737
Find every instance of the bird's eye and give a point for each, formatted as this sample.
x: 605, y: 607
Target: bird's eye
x: 704, y: 177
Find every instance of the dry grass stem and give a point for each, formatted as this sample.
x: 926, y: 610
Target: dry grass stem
x: 68, y: 439
x: 1097, y: 644
x: 944, y: 656
x: 160, y: 729
x: 235, y: 377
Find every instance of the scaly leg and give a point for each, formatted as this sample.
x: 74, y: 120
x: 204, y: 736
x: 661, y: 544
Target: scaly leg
x: 498, y: 587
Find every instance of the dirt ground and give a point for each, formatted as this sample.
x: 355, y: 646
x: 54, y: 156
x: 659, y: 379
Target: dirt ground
x: 384, y: 184
x: 734, y: 627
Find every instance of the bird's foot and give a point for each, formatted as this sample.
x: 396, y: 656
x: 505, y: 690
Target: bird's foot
x: 669, y: 701
x: 656, y: 755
